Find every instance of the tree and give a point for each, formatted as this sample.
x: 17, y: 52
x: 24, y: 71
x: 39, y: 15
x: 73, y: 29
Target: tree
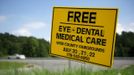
x: 124, y: 44
x: 29, y: 46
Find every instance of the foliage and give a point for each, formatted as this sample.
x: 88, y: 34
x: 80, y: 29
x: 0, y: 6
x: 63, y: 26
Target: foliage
x: 33, y: 47
x: 29, y: 46
x: 125, y: 44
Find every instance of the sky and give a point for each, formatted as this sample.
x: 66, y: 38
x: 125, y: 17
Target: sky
x: 34, y: 17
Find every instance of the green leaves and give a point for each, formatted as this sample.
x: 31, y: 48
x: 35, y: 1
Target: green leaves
x: 125, y: 44
x: 29, y: 46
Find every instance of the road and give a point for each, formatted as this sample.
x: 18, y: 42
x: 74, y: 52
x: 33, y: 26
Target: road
x: 61, y: 64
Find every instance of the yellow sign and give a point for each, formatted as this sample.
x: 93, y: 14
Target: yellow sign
x: 84, y: 34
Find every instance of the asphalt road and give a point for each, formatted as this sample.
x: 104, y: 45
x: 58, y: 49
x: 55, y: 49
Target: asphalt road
x: 61, y: 64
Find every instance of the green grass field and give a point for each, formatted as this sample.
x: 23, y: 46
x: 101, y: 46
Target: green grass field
x: 11, y: 68
x: 10, y: 65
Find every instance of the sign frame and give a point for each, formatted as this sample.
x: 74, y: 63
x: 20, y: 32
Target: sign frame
x: 114, y: 35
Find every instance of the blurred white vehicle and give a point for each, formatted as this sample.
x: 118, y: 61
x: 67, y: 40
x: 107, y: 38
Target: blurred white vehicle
x: 17, y: 56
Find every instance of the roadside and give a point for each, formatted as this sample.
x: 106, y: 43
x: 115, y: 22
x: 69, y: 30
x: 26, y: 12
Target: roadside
x: 61, y: 64
x: 19, y: 68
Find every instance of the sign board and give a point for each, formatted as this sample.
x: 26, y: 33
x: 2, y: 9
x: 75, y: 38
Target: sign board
x: 84, y: 34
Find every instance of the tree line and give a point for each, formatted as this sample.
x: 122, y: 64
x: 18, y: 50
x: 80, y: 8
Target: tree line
x: 124, y: 46
x: 29, y: 46
x: 33, y: 47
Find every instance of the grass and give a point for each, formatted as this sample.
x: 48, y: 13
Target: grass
x: 11, y: 65
x: 128, y: 71
x: 11, y: 68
